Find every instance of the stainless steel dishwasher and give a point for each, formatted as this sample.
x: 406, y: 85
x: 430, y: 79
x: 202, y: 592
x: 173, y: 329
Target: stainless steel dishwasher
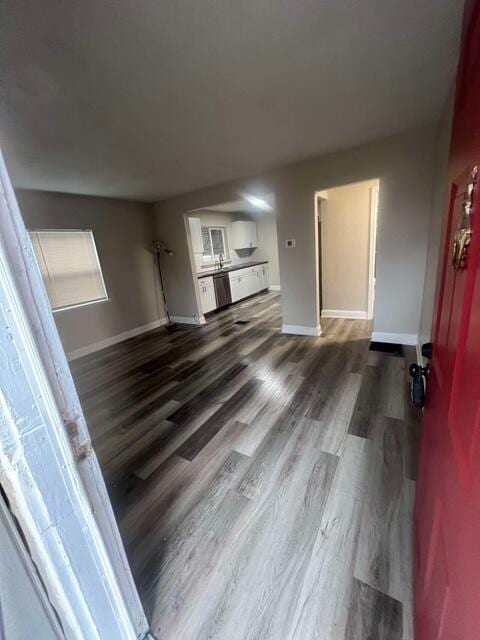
x: 223, y: 294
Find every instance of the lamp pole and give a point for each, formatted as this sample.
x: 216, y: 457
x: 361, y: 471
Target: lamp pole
x: 158, y: 248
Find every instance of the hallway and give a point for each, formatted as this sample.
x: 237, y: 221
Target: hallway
x: 263, y: 483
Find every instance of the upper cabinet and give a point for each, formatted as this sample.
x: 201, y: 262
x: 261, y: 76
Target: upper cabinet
x: 244, y: 234
x: 196, y: 234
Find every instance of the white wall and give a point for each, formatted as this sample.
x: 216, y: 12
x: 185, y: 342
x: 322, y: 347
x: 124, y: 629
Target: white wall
x: 345, y: 231
x: 439, y: 205
x: 123, y: 233
x: 268, y: 244
x: 404, y: 165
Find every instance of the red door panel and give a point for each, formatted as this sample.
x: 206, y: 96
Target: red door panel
x: 447, y: 510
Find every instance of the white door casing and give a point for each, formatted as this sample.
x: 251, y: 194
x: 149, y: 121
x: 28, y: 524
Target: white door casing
x: 21, y: 589
x: 47, y: 466
x: 372, y: 247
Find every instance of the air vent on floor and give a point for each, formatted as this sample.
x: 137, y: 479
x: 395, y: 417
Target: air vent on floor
x: 241, y: 322
x: 387, y: 347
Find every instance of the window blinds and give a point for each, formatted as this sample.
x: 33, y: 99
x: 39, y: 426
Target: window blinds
x: 207, y: 247
x: 217, y: 242
x: 69, y: 266
x: 213, y: 242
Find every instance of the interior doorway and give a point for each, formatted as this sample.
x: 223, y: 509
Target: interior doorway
x: 347, y: 239
x: 233, y: 252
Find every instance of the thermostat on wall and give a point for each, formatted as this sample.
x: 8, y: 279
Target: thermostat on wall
x: 290, y: 244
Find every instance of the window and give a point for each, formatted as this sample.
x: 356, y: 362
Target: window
x: 214, y: 243
x: 69, y: 265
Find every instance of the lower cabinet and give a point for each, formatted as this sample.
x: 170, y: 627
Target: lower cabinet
x: 240, y: 286
x: 243, y: 283
x: 250, y: 284
x: 264, y: 280
x: 246, y: 282
x: 262, y: 277
x: 235, y: 286
x: 207, y: 294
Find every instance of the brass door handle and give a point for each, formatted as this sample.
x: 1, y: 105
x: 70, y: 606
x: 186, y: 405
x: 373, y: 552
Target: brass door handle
x: 463, y: 234
x: 461, y: 243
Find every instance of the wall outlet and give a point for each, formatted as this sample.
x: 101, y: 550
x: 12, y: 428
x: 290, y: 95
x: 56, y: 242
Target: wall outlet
x: 290, y: 244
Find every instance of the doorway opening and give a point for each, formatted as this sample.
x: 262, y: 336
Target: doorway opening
x: 347, y: 239
x: 233, y: 252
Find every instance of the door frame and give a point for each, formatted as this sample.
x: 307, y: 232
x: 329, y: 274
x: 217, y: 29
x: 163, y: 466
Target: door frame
x: 372, y: 249
x: 72, y: 534
x: 20, y: 552
x: 322, y: 197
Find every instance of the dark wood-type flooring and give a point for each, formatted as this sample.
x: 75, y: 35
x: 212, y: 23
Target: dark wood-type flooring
x: 263, y: 483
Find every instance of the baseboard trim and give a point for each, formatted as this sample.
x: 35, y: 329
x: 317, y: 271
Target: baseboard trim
x: 344, y: 313
x: 298, y: 330
x: 189, y: 320
x: 274, y: 287
x: 410, y: 339
x: 120, y: 337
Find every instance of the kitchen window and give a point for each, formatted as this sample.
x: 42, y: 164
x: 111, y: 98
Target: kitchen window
x: 70, y: 267
x: 214, y: 243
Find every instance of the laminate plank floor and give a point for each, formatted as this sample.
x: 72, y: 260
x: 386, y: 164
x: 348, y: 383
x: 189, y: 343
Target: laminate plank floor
x: 263, y: 483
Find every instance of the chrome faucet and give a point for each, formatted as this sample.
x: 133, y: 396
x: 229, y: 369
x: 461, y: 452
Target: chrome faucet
x: 220, y: 261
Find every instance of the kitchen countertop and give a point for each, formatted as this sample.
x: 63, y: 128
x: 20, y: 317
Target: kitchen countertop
x: 234, y: 267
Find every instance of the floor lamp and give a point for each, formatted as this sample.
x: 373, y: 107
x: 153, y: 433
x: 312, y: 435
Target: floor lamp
x: 158, y: 248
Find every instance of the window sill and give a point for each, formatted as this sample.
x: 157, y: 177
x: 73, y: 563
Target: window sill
x: 82, y: 304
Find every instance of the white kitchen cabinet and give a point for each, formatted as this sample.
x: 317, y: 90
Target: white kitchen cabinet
x: 207, y: 294
x: 244, y: 234
x: 196, y: 234
x: 252, y: 283
x: 236, y: 287
x: 248, y: 281
x: 239, y: 284
x: 258, y: 277
x: 263, y: 277
x: 244, y: 288
x: 245, y: 284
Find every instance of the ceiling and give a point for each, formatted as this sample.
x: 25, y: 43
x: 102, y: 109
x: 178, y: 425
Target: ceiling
x: 242, y: 205
x: 148, y: 99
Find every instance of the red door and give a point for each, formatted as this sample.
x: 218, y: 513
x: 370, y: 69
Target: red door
x: 447, y: 510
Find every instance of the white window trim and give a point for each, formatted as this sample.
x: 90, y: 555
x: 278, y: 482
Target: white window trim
x: 81, y: 304
x: 106, y: 297
x: 41, y: 355
x: 211, y: 259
